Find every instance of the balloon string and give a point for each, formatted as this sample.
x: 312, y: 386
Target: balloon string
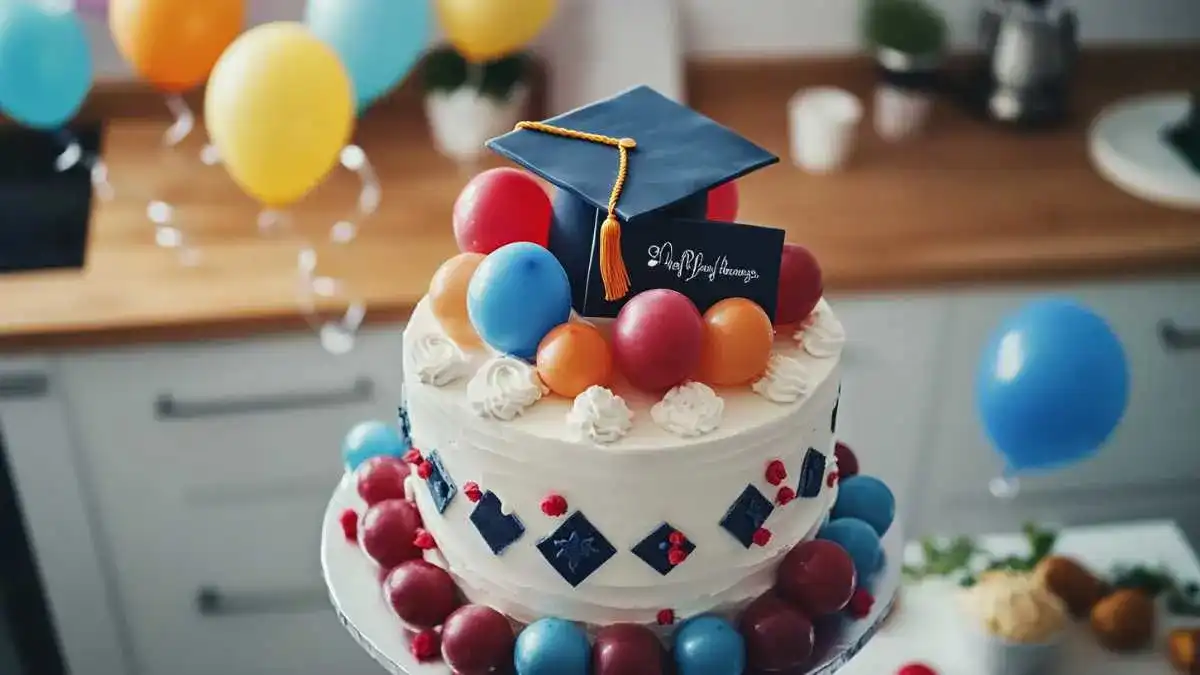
x: 182, y: 127
x: 355, y: 159
x: 73, y: 155
x: 168, y: 233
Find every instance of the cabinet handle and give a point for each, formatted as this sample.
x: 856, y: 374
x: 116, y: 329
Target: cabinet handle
x: 1175, y: 338
x: 19, y: 386
x: 167, y: 407
x: 212, y: 602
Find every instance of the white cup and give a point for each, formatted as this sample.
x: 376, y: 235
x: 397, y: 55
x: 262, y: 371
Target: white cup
x: 899, y: 113
x: 822, y: 123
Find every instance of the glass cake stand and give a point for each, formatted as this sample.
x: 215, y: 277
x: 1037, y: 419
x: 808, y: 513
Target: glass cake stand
x: 356, y: 594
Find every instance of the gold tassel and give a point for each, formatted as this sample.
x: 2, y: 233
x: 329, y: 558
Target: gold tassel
x: 612, y: 265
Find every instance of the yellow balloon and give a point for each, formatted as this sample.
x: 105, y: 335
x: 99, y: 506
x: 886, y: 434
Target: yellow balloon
x: 279, y: 108
x: 484, y: 30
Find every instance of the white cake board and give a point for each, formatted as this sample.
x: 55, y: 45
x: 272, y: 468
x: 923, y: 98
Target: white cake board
x: 1127, y: 147
x: 357, y: 597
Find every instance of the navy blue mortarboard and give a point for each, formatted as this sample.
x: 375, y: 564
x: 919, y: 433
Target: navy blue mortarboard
x: 637, y: 157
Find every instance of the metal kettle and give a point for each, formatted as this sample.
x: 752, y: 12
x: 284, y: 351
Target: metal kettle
x: 1031, y: 48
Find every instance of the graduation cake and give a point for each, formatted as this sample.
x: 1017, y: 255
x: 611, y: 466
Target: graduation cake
x: 618, y: 434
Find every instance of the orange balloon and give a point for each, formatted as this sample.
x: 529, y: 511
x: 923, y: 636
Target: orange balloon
x: 448, y: 298
x: 174, y: 44
x: 737, y: 342
x: 572, y: 357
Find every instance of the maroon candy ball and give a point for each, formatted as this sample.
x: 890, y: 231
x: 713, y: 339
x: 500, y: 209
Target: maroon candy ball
x: 657, y: 338
x: 779, y: 637
x: 627, y: 649
x: 817, y: 576
x: 476, y: 640
x: 421, y: 593
x: 380, y: 479
x: 800, y: 285
x: 847, y: 463
x: 387, y: 532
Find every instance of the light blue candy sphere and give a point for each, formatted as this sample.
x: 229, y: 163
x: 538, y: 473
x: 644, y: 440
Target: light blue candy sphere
x: 552, y: 647
x: 517, y: 295
x: 860, y: 540
x: 372, y: 439
x: 47, y: 59
x: 709, y: 645
x: 868, y: 499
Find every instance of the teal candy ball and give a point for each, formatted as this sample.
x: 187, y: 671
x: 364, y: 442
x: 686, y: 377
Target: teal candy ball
x: 517, y: 294
x: 372, y: 439
x: 868, y: 499
x: 709, y: 645
x: 860, y: 540
x: 552, y: 647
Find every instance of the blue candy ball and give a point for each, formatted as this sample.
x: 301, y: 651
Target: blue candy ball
x: 868, y: 499
x: 372, y: 439
x: 552, y: 647
x: 517, y: 294
x: 860, y: 541
x: 709, y: 645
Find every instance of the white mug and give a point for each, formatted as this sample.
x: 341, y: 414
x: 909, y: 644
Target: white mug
x: 822, y: 123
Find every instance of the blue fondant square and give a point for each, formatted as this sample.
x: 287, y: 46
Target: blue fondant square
x: 812, y: 474
x: 747, y: 514
x: 498, y: 529
x: 576, y: 549
x: 405, y: 425
x: 656, y: 547
x: 441, y: 485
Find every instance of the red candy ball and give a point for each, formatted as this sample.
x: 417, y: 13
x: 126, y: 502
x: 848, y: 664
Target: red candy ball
x: 380, y: 479
x: 817, y: 576
x: 498, y: 207
x: 476, y: 640
x: 627, y: 649
x: 847, y: 463
x: 800, y: 285
x: 778, y: 636
x: 421, y: 593
x: 657, y: 339
x: 723, y: 202
x: 916, y: 669
x: 387, y: 531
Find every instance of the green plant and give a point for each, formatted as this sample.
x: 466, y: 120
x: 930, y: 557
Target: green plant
x: 908, y: 26
x: 445, y: 70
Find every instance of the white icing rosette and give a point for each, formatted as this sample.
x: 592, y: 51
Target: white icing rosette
x: 690, y: 409
x: 821, y: 334
x: 785, y: 380
x: 438, y: 360
x: 503, y: 388
x: 600, y: 416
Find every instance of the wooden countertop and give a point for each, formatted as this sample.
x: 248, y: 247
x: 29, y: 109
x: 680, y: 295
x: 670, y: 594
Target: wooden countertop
x: 967, y: 204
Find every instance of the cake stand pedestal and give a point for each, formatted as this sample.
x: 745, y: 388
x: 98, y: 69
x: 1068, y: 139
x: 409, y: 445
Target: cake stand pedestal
x: 356, y: 594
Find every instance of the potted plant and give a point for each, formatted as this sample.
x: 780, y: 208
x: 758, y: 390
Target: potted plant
x: 908, y: 39
x: 469, y: 103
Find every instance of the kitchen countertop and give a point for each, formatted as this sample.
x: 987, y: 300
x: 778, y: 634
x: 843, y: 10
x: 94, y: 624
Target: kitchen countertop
x: 969, y: 203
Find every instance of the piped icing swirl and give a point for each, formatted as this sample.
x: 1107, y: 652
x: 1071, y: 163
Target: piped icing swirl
x: 600, y: 416
x: 690, y: 409
x: 503, y: 388
x: 785, y: 380
x: 438, y: 360
x: 821, y: 334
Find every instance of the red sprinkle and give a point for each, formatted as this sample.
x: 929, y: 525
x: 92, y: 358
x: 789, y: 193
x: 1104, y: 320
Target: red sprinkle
x: 426, y: 645
x: 349, y: 521
x: 785, y: 495
x: 762, y: 536
x: 676, y: 556
x: 776, y: 472
x: 413, y: 457
x: 860, y: 604
x: 666, y: 617
x: 832, y: 479
x: 916, y: 669
x: 676, y: 538
x: 424, y: 470
x: 424, y: 540
x: 472, y: 491
x: 554, y: 505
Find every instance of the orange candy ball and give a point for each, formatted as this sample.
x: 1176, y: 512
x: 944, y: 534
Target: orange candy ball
x: 572, y: 357
x: 448, y: 298
x: 737, y: 343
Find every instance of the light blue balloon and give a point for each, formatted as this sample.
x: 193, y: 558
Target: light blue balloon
x: 868, y: 499
x: 379, y: 41
x: 709, y: 645
x: 45, y: 64
x: 372, y: 439
x: 552, y: 647
x: 860, y: 540
x: 1052, y: 385
x: 517, y: 295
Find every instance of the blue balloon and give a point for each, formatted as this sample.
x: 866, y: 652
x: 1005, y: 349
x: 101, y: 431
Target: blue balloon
x: 47, y: 64
x: 860, y: 540
x: 1052, y: 385
x: 868, y: 499
x: 517, y: 295
x: 552, y: 647
x: 378, y: 41
x: 709, y: 645
x: 372, y: 439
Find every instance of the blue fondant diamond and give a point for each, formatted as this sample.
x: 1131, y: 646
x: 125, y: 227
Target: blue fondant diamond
x: 836, y: 402
x: 497, y: 528
x: 405, y: 425
x: 812, y: 474
x: 655, y: 549
x: 441, y: 485
x: 576, y: 549
x: 747, y: 514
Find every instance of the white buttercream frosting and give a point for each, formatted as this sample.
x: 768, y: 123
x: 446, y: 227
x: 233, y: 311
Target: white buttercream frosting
x: 822, y: 335
x: 785, y: 381
x: 503, y: 388
x: 690, y: 409
x: 600, y: 416
x: 438, y: 360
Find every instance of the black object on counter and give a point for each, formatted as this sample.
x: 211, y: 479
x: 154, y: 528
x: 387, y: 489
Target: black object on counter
x: 1185, y: 136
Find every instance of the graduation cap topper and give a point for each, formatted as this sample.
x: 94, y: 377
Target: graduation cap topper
x: 633, y: 173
